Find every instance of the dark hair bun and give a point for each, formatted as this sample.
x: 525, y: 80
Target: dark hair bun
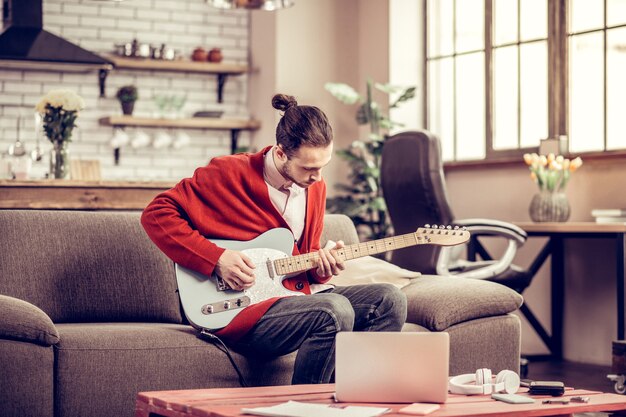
x: 283, y: 102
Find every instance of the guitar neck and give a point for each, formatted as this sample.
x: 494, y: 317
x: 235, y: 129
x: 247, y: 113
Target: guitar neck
x: 301, y: 263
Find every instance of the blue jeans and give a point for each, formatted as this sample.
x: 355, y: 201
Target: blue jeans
x: 309, y: 324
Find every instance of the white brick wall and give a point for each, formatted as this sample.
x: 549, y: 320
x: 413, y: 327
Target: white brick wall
x: 182, y: 24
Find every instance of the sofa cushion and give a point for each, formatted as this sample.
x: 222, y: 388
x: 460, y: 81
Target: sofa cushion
x: 368, y: 270
x: 82, y: 266
x: 24, y: 322
x: 118, y: 360
x: 437, y: 302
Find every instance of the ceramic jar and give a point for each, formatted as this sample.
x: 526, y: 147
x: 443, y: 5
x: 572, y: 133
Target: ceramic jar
x: 215, y: 55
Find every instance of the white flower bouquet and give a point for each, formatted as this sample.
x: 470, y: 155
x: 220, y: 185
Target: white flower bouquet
x: 59, y: 110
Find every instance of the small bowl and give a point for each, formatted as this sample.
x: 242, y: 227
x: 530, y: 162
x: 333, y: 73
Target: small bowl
x: 209, y: 113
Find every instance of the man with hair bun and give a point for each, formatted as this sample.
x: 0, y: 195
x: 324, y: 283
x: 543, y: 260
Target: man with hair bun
x: 239, y: 197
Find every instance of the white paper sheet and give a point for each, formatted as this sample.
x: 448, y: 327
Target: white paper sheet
x: 299, y: 409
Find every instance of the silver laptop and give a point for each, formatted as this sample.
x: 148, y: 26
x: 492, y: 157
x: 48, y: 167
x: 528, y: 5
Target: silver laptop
x: 392, y: 367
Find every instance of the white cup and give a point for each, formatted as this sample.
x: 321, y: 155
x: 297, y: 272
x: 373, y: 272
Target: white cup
x: 120, y: 138
x: 140, y: 140
x: 162, y: 140
x: 21, y: 167
x: 182, y: 139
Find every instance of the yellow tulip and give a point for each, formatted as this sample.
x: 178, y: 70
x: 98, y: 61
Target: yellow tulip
x: 566, y: 164
x: 555, y: 166
x: 575, y: 164
x: 528, y: 159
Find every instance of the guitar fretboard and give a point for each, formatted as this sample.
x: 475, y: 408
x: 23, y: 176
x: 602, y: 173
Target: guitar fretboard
x: 308, y: 261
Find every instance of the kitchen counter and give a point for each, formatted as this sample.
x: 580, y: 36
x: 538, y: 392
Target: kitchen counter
x: 79, y: 195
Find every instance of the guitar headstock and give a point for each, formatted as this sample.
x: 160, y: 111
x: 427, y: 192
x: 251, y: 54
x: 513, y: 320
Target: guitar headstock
x: 442, y: 235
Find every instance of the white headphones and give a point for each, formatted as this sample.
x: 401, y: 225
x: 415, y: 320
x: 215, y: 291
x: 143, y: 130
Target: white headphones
x: 481, y: 383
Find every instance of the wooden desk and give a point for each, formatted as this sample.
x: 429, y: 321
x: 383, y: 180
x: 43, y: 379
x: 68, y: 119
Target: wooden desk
x: 228, y: 402
x: 556, y: 234
x: 79, y: 195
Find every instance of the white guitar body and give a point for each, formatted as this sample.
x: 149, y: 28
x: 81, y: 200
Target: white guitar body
x: 197, y: 292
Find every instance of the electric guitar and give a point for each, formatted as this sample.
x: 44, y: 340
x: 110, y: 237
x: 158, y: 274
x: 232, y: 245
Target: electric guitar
x: 211, y: 304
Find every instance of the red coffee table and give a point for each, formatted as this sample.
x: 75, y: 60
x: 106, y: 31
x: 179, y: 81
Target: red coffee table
x: 227, y: 402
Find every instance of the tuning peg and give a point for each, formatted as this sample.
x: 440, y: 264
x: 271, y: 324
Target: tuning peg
x: 464, y: 228
x: 427, y: 225
x: 433, y: 226
x: 456, y: 227
x: 448, y: 227
x: 442, y: 227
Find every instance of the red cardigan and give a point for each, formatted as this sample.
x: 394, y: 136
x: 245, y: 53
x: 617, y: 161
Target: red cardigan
x: 228, y: 199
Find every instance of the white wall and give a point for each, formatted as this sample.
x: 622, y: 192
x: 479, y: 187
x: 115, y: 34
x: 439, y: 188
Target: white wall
x: 297, y: 51
x: 182, y: 24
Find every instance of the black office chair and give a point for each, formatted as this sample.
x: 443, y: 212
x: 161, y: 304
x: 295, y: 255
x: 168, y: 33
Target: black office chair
x: 414, y: 189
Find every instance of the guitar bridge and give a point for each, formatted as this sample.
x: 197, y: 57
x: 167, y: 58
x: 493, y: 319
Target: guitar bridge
x: 220, y: 284
x: 225, y: 305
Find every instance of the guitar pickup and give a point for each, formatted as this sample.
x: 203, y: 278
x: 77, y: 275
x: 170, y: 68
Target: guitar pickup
x: 225, y: 305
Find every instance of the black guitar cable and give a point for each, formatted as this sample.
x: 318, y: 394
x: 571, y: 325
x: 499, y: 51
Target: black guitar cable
x: 210, y: 337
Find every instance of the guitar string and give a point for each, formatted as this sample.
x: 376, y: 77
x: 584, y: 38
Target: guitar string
x: 306, y: 261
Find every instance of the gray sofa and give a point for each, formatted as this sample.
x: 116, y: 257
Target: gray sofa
x: 90, y: 316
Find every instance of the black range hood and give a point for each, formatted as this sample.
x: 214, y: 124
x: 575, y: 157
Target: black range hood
x: 24, y: 39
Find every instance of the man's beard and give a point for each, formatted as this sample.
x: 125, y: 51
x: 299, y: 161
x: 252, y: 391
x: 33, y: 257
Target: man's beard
x: 285, y: 171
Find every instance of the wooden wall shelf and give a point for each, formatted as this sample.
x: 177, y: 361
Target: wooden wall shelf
x: 176, y: 65
x: 222, y: 70
x: 234, y: 125
x: 189, y: 123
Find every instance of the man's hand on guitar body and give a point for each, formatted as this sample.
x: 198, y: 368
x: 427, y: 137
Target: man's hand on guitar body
x: 329, y: 262
x: 236, y: 269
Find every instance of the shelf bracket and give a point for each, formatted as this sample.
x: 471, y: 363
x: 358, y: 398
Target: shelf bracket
x: 102, y: 78
x: 221, y: 80
x: 234, y: 136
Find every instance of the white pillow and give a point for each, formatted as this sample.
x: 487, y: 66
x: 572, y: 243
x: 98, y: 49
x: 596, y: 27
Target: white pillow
x: 368, y: 269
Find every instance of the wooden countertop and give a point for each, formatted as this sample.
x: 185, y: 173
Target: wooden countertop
x: 79, y: 195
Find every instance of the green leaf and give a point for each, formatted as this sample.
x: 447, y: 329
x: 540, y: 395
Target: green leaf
x: 378, y: 203
x: 387, y: 88
x: 343, y: 92
x: 408, y: 94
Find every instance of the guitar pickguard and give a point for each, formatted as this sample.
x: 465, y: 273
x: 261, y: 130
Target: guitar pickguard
x: 207, y: 307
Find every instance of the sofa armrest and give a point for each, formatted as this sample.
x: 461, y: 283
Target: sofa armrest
x: 25, y: 322
x: 437, y: 302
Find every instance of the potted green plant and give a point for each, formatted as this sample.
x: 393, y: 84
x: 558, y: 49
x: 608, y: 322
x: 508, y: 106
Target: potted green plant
x: 362, y: 198
x: 127, y: 95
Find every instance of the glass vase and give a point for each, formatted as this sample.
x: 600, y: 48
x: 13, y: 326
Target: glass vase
x: 59, y: 160
x: 549, y: 206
